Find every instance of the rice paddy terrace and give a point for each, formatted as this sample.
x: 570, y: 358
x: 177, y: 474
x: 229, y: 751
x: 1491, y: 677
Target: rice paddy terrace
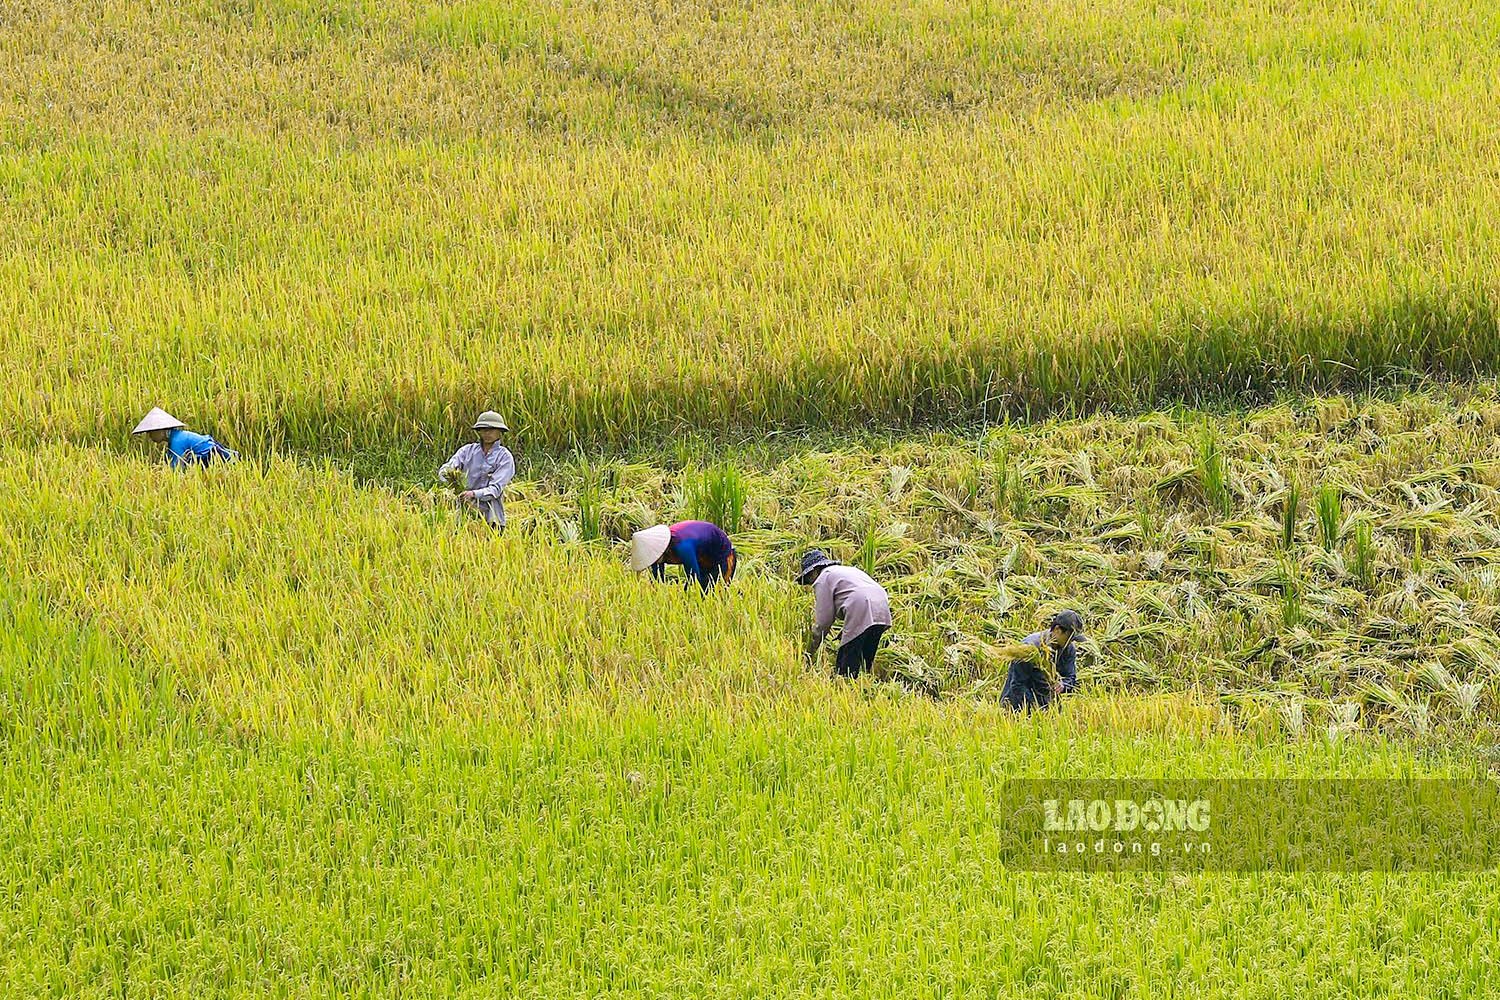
x: 331, y: 225
x: 1183, y: 315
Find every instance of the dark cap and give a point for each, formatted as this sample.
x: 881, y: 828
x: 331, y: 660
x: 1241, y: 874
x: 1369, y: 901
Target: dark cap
x: 812, y: 561
x: 1069, y: 620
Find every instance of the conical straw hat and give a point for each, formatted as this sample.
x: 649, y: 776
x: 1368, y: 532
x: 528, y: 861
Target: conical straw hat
x: 647, y: 545
x: 157, y: 420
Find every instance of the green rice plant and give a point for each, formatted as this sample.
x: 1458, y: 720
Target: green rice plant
x: 1363, y: 563
x: 1212, y: 475
x: 718, y: 494
x: 1147, y: 520
x: 1012, y: 492
x: 970, y: 483
x: 590, y: 500
x: 1291, y: 509
x: 1208, y: 557
x: 868, y: 555
x: 1291, y: 594
x: 590, y: 512
x: 1330, y: 510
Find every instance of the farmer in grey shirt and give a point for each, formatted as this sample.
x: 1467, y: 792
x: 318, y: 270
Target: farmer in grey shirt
x: 847, y: 593
x: 486, y: 469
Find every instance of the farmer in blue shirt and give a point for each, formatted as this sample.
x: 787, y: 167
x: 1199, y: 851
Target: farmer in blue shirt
x: 702, y: 549
x: 183, y: 446
x: 1029, y: 685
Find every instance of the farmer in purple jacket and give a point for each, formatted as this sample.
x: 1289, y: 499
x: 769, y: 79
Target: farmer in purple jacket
x: 702, y: 549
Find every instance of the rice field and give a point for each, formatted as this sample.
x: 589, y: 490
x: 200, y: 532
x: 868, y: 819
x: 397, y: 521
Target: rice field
x: 1019, y: 305
x: 1304, y: 561
x: 840, y: 847
x: 1331, y: 565
x: 338, y: 227
x: 272, y: 732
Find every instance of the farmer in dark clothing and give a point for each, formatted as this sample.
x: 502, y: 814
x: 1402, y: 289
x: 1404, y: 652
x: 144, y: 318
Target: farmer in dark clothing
x: 702, y: 549
x: 847, y: 593
x: 1029, y: 684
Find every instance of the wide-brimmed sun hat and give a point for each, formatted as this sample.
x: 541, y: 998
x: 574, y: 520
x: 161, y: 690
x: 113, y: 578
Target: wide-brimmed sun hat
x: 490, y: 420
x: 812, y: 561
x: 647, y: 545
x: 157, y: 420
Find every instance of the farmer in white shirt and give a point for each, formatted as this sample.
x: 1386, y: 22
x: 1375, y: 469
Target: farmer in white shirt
x: 487, y: 468
x: 848, y: 594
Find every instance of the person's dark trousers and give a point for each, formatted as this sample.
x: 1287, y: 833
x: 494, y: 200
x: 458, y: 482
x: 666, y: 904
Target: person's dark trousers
x: 858, y: 654
x: 1026, y: 688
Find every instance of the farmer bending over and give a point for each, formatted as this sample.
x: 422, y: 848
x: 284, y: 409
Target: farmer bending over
x: 487, y: 468
x: 1029, y: 684
x: 183, y: 446
x: 702, y: 549
x: 848, y: 594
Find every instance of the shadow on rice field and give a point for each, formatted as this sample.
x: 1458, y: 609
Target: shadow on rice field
x: 1226, y: 367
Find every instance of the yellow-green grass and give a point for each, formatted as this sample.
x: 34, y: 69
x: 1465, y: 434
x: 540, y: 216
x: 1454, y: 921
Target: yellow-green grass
x: 442, y: 795
x: 345, y: 227
x: 268, y: 731
x: 847, y: 849
x: 282, y: 594
x: 353, y: 69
